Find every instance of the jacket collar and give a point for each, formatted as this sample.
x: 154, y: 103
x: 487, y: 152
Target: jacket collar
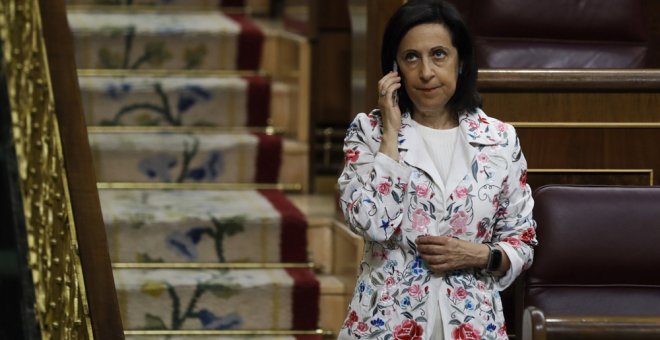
x: 474, y: 132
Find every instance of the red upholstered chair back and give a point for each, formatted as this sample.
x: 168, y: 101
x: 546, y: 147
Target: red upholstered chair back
x: 557, y: 33
x: 598, y: 252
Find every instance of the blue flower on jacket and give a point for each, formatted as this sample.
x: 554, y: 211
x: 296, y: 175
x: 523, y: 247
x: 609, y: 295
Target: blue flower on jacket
x: 185, y: 245
x: 418, y: 266
x: 390, y: 265
x: 158, y: 166
x: 405, y: 303
x: 208, y: 170
x: 469, y: 305
x: 361, y: 286
x: 211, y: 321
x: 378, y: 322
x: 491, y: 327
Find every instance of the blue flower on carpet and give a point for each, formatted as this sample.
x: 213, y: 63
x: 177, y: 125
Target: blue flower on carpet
x: 190, y: 95
x: 211, y: 321
x: 117, y: 92
x: 209, y: 170
x: 158, y: 166
x: 185, y: 245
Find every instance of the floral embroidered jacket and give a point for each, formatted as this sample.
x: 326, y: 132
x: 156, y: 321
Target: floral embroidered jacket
x: 390, y: 203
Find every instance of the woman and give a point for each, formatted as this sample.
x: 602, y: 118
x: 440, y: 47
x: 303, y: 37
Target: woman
x: 436, y: 188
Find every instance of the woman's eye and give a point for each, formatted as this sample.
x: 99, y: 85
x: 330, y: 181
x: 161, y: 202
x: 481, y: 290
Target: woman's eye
x: 411, y: 57
x: 439, y: 54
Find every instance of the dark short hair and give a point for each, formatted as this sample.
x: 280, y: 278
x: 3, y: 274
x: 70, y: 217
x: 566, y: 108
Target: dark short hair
x: 417, y: 12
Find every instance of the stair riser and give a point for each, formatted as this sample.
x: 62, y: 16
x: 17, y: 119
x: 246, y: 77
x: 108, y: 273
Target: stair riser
x: 134, y: 157
x: 216, y: 299
x: 184, y: 101
x: 200, y: 226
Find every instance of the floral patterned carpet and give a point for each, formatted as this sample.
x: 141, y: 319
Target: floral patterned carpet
x: 176, y: 95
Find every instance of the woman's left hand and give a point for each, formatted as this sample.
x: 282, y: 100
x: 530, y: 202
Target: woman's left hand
x: 443, y: 253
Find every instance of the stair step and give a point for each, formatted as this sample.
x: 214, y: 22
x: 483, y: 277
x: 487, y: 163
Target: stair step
x: 253, y: 226
x: 176, y: 100
x: 197, y: 157
x: 251, y: 6
x: 197, y: 335
x: 245, y: 299
x: 130, y: 39
x: 163, y: 3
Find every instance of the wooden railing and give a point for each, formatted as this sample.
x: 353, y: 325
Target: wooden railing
x: 67, y: 248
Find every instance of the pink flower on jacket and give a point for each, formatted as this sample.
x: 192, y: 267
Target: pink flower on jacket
x: 523, y: 178
x: 408, y: 330
x: 362, y: 327
x: 483, y: 158
x: 465, y: 331
x: 372, y: 120
x: 422, y: 189
x: 460, y: 293
x: 386, y: 299
x: 415, y: 291
x: 513, y: 241
x: 500, y: 127
x: 473, y: 125
x: 459, y: 221
x: 384, y: 188
x: 389, y: 282
x: 481, y: 285
x: 420, y: 220
x: 461, y: 192
x: 352, y: 318
x: 528, y: 235
x: 502, y: 330
x: 352, y: 155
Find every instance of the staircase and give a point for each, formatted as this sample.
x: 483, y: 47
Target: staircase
x: 198, y: 131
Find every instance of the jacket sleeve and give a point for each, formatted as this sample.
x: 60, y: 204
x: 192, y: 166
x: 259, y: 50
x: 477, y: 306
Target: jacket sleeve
x: 372, y: 185
x: 515, y: 228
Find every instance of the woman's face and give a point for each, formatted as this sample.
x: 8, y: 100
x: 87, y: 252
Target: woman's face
x: 428, y: 63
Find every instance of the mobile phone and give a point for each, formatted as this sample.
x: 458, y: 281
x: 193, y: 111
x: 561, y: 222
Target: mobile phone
x: 395, y: 94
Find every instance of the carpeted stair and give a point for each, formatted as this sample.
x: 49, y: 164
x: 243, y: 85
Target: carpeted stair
x: 177, y: 96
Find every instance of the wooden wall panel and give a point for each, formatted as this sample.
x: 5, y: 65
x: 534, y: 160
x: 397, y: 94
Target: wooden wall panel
x: 573, y: 106
x: 605, y: 149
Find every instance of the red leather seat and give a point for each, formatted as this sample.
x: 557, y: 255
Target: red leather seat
x: 558, y: 33
x: 598, y: 252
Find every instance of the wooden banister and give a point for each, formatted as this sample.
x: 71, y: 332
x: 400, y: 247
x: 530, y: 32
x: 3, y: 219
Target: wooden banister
x: 67, y: 252
x: 90, y: 229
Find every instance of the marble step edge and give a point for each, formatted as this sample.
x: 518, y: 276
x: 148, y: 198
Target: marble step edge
x: 236, y: 333
x: 161, y: 8
x: 163, y: 73
x: 268, y: 130
x: 212, y: 265
x: 286, y: 187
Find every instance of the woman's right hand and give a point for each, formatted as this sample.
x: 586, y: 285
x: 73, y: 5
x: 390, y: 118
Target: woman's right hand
x: 390, y: 112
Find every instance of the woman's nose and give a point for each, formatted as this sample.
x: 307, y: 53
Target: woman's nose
x: 426, y: 71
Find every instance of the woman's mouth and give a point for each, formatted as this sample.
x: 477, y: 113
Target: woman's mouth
x: 428, y: 89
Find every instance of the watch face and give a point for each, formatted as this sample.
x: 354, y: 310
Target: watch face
x: 495, y: 259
